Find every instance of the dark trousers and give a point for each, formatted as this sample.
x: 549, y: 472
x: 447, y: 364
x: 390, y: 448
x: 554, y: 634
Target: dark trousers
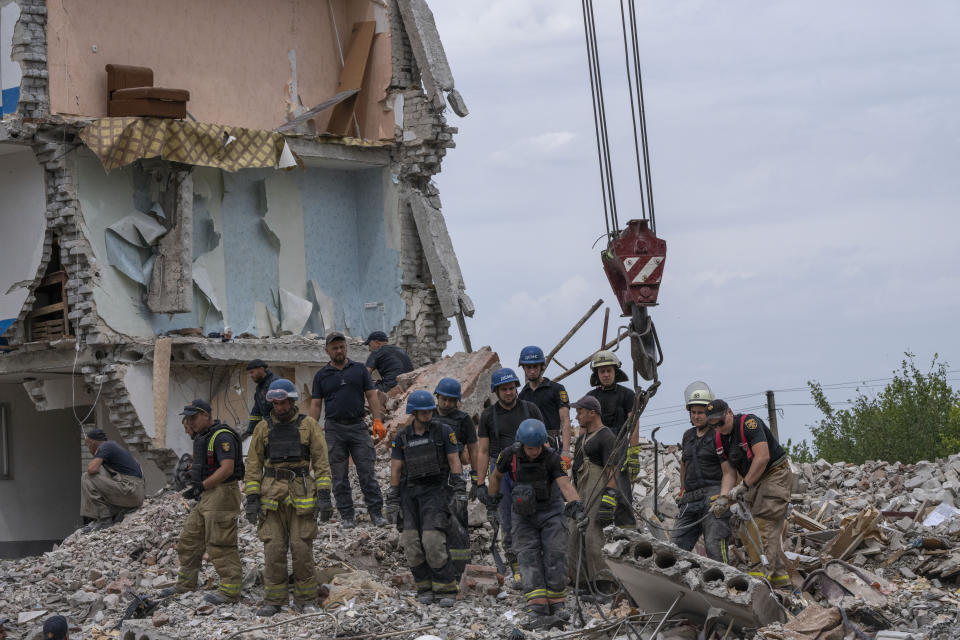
x: 623, y: 516
x: 432, y: 539
x: 540, y: 542
x: 716, y: 531
x: 345, y: 441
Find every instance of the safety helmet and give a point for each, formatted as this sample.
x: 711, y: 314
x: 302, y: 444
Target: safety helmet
x: 281, y: 390
x: 697, y: 393
x: 420, y: 400
x: 532, y: 433
x: 531, y: 355
x: 503, y: 376
x: 448, y: 387
x: 606, y: 358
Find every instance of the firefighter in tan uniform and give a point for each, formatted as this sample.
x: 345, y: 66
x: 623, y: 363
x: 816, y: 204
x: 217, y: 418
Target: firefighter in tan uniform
x: 748, y: 448
x: 211, y: 526
x: 283, y: 499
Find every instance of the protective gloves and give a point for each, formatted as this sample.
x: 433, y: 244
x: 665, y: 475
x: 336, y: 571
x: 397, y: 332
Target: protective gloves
x: 493, y: 509
x: 738, y: 491
x: 392, y: 510
x: 573, y: 509
x: 482, y: 494
x: 566, y: 461
x: 252, y: 508
x: 193, y: 491
x: 720, y: 506
x: 324, y: 505
x: 379, y: 431
x: 608, y: 506
x: 632, y: 463
x: 473, y: 486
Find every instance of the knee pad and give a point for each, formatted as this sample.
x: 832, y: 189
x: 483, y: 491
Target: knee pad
x: 435, y: 547
x: 411, y: 547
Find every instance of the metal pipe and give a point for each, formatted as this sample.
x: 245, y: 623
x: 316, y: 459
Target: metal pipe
x: 656, y: 473
x: 663, y: 621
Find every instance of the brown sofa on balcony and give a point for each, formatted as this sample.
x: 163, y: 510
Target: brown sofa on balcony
x: 130, y: 92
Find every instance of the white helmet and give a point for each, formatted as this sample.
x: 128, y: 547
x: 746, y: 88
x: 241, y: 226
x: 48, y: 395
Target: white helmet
x: 697, y: 393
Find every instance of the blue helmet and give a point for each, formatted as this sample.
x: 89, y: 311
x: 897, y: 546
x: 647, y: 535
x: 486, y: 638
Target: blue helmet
x: 532, y: 355
x: 420, y: 400
x: 448, y: 387
x: 503, y: 376
x: 532, y: 433
x: 282, y: 389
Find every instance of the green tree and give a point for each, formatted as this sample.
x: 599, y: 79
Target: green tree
x: 915, y: 417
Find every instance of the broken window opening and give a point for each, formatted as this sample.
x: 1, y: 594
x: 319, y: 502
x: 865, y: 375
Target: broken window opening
x: 49, y: 319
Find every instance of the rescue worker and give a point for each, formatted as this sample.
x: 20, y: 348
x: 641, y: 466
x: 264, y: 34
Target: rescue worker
x: 386, y: 359
x: 746, y: 447
x: 539, y: 520
x: 596, y: 484
x: 448, y: 395
x: 112, y: 485
x: 343, y: 384
x: 259, y: 372
x: 550, y: 397
x: 498, y: 429
x: 700, y: 479
x: 425, y: 461
x: 282, y: 497
x: 616, y: 404
x: 211, y: 525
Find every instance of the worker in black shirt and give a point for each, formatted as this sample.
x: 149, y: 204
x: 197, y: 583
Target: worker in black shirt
x: 550, y: 397
x: 497, y: 432
x: 344, y: 384
x: 259, y: 372
x: 540, y: 488
x: 112, y: 483
x: 387, y: 359
x: 596, y: 484
x: 746, y: 447
x: 700, y: 479
x: 425, y: 480
x: 616, y: 403
x: 448, y: 395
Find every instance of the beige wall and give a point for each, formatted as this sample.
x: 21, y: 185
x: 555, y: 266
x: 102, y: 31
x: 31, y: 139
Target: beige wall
x: 232, y: 55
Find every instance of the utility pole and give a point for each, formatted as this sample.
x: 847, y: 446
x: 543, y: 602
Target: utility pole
x: 772, y: 415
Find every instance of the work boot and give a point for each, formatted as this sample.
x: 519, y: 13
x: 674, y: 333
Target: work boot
x: 535, y: 616
x: 268, y: 610
x: 98, y: 525
x: 169, y: 591
x: 559, y: 610
x: 446, y: 602
x: 348, y: 522
x: 309, y: 607
x: 425, y: 597
x: 218, y: 598
x: 378, y: 520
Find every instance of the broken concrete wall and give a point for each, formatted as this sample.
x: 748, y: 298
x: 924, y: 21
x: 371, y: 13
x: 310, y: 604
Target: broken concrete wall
x: 236, y: 58
x: 44, y: 454
x: 30, y: 50
x: 21, y: 225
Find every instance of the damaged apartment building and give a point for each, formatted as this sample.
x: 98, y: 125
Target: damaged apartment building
x: 188, y: 186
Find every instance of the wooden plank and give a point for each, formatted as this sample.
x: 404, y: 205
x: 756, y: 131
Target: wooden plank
x: 806, y: 521
x: 57, y: 277
x: 50, y: 308
x: 351, y: 77
x: 161, y: 389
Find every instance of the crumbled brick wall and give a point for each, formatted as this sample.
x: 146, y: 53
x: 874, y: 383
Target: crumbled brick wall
x: 30, y: 50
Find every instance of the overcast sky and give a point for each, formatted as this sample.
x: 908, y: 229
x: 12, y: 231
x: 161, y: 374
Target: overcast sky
x: 805, y: 161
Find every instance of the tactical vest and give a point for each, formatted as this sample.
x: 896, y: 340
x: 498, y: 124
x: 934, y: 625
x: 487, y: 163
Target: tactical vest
x: 283, y: 442
x: 425, y: 462
x: 205, y: 458
x: 495, y: 440
x: 530, y: 473
x: 452, y: 420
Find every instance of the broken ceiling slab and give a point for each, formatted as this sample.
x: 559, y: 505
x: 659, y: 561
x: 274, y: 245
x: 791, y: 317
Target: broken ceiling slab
x: 287, y: 349
x: 427, y: 48
x: 119, y: 141
x: 441, y: 257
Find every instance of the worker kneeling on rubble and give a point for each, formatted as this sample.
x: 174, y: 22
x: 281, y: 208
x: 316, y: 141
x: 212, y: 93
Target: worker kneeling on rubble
x: 426, y: 480
x: 746, y: 446
x: 539, y: 527
x: 211, y: 525
x: 595, y: 480
x: 112, y: 484
x: 282, y: 497
x: 701, y: 475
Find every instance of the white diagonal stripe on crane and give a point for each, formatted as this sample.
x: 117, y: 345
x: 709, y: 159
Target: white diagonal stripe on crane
x: 648, y: 269
x: 628, y: 263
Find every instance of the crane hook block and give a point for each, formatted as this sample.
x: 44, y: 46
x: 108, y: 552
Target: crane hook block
x: 633, y: 262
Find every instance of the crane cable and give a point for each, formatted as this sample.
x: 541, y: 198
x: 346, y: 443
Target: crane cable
x: 631, y: 52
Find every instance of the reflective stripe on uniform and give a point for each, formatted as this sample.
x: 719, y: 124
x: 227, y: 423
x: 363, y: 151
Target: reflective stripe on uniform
x: 269, y: 505
x: 608, y: 499
x: 252, y: 487
x: 323, y: 482
x: 230, y: 589
x: 536, y: 593
x: 423, y: 585
x: 306, y: 590
x: 459, y: 554
x: 445, y: 587
x: 557, y: 594
x: 272, y: 591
